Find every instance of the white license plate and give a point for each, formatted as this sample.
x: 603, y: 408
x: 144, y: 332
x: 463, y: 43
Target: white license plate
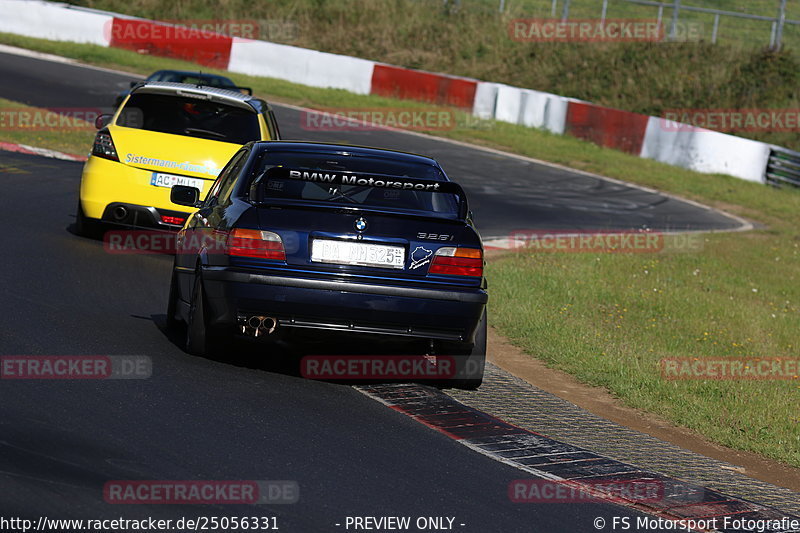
x: 158, y: 179
x: 357, y: 253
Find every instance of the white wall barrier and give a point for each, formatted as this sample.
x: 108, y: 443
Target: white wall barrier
x: 508, y: 104
x: 705, y: 150
x: 676, y: 144
x: 526, y: 107
x: 485, y: 100
x: 544, y: 110
x: 301, y: 65
x: 57, y: 22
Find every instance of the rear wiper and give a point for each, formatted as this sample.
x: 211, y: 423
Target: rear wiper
x: 207, y: 133
x: 339, y: 194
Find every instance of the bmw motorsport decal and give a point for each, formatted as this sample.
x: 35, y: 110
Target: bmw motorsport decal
x: 365, y: 180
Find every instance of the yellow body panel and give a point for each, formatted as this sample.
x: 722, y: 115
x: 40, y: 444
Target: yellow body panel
x: 141, y: 153
x: 104, y: 182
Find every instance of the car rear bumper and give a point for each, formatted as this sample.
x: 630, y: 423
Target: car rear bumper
x: 447, y: 314
x: 107, y: 184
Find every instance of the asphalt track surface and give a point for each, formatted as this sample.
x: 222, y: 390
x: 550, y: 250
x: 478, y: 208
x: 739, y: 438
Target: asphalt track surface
x: 246, y: 415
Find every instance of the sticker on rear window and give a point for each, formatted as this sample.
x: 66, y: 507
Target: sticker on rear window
x: 362, y: 179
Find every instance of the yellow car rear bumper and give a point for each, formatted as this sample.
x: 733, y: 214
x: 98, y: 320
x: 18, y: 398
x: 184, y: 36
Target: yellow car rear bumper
x: 106, y: 182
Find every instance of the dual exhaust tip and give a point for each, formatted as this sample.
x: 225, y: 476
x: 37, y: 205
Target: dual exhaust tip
x: 260, y: 325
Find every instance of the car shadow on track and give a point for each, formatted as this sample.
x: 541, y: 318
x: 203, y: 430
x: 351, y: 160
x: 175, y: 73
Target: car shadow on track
x: 284, y: 354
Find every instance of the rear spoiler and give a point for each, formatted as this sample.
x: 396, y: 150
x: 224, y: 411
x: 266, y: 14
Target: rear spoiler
x: 360, y: 179
x: 248, y: 90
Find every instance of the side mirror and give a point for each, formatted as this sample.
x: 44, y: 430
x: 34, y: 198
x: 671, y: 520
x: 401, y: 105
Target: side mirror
x: 184, y: 195
x: 102, y: 121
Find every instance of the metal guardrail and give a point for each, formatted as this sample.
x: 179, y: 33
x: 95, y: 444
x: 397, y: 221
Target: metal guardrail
x: 783, y: 167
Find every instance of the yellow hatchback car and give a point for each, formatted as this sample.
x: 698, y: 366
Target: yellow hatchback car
x: 164, y: 134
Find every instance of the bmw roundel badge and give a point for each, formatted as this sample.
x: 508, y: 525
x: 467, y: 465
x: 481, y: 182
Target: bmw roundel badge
x: 360, y: 224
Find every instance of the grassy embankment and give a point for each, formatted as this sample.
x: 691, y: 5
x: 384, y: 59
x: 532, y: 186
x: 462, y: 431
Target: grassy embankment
x: 648, y: 78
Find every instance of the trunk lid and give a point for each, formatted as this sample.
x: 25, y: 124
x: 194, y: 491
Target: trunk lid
x: 171, y: 154
x: 329, y: 241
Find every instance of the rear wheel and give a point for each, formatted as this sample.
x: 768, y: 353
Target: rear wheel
x: 85, y: 226
x: 470, y: 364
x: 201, y: 339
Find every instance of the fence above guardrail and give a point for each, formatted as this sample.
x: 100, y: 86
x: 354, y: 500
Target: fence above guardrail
x: 761, y: 28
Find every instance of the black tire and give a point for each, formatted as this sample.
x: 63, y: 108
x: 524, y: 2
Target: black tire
x: 172, y: 302
x: 470, y: 364
x: 86, y: 227
x: 201, y: 340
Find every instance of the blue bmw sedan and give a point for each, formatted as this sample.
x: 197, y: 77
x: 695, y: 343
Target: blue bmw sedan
x: 333, y: 238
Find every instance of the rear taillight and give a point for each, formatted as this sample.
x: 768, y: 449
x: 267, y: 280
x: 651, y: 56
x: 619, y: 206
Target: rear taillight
x: 457, y: 262
x: 104, y: 146
x: 177, y: 221
x: 255, y: 243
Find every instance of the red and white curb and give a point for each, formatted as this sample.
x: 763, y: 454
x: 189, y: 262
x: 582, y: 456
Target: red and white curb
x: 43, y: 152
x: 544, y: 458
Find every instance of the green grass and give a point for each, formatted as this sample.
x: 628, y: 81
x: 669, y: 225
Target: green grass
x: 608, y: 319
x: 76, y: 139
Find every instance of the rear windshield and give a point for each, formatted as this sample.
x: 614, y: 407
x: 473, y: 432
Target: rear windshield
x: 191, y: 117
x: 272, y: 182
